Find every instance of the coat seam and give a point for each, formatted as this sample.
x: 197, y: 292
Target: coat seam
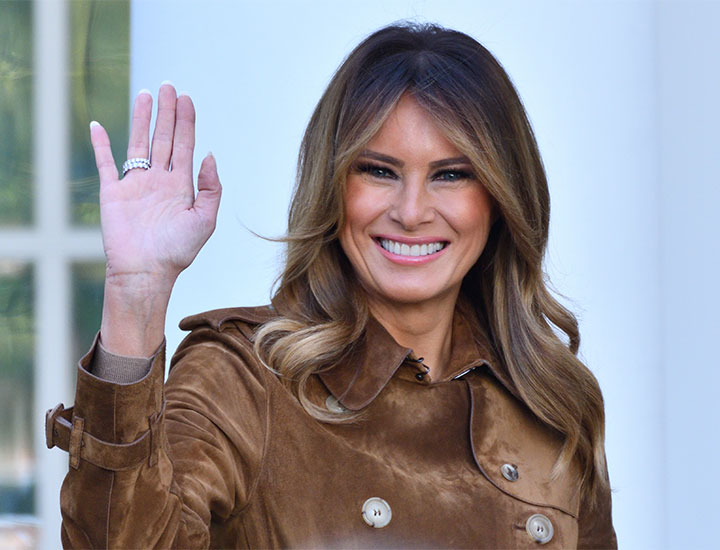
x: 112, y: 478
x: 266, y: 444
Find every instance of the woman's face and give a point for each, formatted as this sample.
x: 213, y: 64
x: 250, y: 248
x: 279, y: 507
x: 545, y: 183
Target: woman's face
x: 416, y: 217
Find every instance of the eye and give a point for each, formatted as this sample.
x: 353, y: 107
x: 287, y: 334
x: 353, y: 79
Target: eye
x: 376, y: 171
x: 453, y: 176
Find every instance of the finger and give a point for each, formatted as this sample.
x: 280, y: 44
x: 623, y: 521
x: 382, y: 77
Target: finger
x: 103, y: 153
x: 207, y: 201
x: 164, y: 126
x: 184, y: 139
x: 139, y: 143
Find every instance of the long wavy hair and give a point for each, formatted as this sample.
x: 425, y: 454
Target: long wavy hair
x: 323, y: 311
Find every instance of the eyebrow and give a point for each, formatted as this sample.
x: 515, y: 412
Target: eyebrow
x: 382, y: 158
x: 397, y: 162
x: 448, y: 162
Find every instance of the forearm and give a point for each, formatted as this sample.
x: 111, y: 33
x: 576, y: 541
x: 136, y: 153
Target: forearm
x: 116, y: 471
x: 199, y: 452
x: 119, y: 489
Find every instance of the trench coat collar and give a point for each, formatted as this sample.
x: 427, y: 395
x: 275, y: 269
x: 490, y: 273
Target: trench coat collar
x: 356, y: 382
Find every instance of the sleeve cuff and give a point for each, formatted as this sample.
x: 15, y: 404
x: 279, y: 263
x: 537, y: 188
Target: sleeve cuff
x: 118, y: 412
x: 120, y: 369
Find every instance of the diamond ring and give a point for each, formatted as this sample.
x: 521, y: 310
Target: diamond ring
x: 136, y: 162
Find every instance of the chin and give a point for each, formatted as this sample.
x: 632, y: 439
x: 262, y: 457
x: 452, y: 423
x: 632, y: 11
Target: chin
x: 408, y: 295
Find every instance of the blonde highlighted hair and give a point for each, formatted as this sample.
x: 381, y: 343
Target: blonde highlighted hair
x: 322, y: 306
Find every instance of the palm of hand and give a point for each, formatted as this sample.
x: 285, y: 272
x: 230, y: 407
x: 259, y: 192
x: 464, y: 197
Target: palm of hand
x: 152, y: 222
x: 149, y: 224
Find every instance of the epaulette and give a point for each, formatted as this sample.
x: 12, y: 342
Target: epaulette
x: 215, y: 318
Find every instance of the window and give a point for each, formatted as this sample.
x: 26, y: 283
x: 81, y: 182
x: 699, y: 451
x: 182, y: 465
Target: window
x: 62, y: 64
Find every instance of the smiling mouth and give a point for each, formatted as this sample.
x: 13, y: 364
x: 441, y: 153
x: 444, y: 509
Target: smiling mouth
x: 403, y: 249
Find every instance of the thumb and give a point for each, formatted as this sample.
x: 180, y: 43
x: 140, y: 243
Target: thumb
x: 209, y: 189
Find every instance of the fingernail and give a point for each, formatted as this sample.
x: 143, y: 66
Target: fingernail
x: 168, y: 82
x: 210, y: 155
x: 94, y: 123
x: 186, y: 94
x: 144, y: 91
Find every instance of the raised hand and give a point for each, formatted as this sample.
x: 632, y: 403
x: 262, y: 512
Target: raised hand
x: 153, y: 224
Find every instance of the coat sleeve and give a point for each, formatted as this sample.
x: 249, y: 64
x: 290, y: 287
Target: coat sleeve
x: 151, y: 464
x: 595, y: 524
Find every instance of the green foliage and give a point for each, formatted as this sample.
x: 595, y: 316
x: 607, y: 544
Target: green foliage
x: 100, y: 80
x: 98, y: 74
x: 88, y: 280
x: 16, y: 122
x: 16, y: 385
x: 16, y: 327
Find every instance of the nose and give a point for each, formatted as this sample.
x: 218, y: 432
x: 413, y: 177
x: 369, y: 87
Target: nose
x: 412, y: 204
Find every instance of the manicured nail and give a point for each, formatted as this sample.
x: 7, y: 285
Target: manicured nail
x: 168, y: 82
x: 94, y: 123
x: 144, y: 91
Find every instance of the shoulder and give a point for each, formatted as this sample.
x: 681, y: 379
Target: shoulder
x: 243, y: 320
x: 216, y: 318
x: 221, y: 336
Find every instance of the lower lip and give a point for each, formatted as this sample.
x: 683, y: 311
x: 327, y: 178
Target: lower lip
x: 410, y: 260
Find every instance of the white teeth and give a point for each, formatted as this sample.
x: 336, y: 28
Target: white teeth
x: 402, y: 249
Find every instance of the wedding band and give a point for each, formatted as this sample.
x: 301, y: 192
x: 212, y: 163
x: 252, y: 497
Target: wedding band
x: 137, y: 162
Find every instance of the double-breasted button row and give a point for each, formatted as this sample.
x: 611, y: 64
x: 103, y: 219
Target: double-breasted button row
x: 377, y: 513
x: 538, y: 526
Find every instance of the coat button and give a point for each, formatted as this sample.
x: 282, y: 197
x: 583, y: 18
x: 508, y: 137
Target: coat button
x: 334, y: 405
x: 509, y: 472
x: 376, y: 512
x: 540, y: 528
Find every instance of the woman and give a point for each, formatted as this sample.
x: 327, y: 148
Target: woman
x: 407, y: 387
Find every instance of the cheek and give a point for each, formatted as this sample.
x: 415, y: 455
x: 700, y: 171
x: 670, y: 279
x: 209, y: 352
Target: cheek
x: 472, y: 214
x: 362, y: 204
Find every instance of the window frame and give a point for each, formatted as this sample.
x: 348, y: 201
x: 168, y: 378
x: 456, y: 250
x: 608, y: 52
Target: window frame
x: 51, y: 244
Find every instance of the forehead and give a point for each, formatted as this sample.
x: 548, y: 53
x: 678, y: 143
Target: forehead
x: 409, y: 131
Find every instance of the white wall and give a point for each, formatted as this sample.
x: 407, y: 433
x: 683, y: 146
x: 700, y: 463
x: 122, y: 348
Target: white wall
x: 588, y: 74
x: 689, y: 78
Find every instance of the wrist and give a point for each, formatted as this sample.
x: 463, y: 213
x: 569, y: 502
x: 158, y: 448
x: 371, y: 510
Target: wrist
x: 134, y: 312
x: 140, y: 284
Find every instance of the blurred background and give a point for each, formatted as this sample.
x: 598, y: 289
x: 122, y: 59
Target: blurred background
x: 622, y: 96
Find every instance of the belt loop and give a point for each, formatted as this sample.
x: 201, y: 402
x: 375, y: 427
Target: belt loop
x: 78, y: 426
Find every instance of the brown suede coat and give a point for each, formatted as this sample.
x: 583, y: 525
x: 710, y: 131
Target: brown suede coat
x: 224, y: 456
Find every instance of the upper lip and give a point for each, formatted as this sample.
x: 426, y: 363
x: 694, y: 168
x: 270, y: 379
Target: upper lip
x: 411, y: 240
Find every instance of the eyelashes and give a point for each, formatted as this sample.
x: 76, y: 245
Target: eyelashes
x: 379, y: 172
x: 454, y: 175
x: 375, y: 170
